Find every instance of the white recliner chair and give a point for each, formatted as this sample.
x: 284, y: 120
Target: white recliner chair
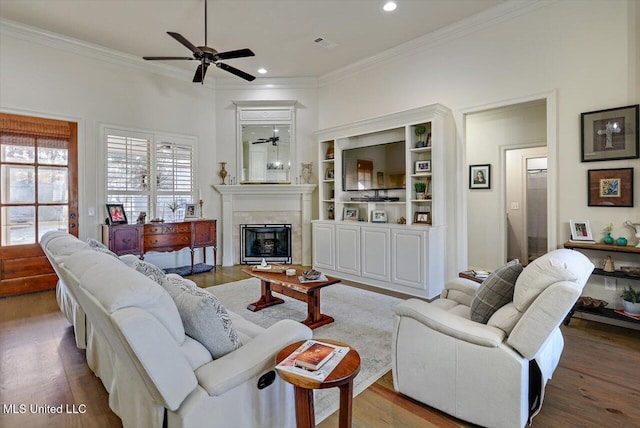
x: 490, y: 374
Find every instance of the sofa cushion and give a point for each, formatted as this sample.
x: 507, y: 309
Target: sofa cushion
x: 99, y: 246
x: 495, y: 291
x: 555, y: 266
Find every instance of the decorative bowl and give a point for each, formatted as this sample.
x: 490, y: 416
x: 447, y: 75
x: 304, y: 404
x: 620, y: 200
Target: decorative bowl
x: 591, y: 303
x: 631, y: 270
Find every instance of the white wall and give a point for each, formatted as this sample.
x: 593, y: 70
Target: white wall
x: 563, y: 45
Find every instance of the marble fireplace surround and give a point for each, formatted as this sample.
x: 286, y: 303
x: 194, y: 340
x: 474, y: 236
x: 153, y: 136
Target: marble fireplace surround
x: 262, y: 204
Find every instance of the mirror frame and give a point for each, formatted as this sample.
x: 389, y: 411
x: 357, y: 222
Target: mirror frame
x: 265, y: 113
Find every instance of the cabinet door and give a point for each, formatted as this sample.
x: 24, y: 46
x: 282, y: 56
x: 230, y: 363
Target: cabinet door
x: 348, y: 249
x: 408, y: 253
x: 323, y: 246
x: 125, y: 239
x: 375, y: 253
x: 203, y: 233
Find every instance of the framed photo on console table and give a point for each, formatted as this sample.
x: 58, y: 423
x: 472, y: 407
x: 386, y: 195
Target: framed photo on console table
x: 116, y: 214
x: 580, y: 230
x: 191, y: 211
x: 610, y: 134
x: 610, y: 187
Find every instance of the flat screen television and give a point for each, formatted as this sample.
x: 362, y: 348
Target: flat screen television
x: 378, y: 167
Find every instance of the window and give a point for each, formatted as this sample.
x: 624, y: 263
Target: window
x: 149, y: 173
x: 36, y: 166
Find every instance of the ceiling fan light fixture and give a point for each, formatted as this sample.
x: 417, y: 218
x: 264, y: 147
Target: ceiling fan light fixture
x: 262, y: 70
x: 389, y: 6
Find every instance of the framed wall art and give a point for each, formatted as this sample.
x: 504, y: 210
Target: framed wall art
x: 479, y: 176
x: 610, y: 134
x: 116, y: 214
x: 580, y: 230
x: 610, y: 187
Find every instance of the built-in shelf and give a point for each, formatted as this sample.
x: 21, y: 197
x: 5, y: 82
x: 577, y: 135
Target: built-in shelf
x: 602, y: 247
x: 422, y: 201
x: 420, y: 149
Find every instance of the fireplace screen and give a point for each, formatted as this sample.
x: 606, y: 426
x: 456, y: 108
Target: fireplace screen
x: 271, y: 242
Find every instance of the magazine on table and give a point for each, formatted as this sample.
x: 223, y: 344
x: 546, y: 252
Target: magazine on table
x: 321, y: 278
x: 292, y: 362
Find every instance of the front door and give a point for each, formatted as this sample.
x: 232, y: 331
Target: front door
x: 38, y: 193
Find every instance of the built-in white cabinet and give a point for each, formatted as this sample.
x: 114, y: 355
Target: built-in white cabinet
x: 386, y: 233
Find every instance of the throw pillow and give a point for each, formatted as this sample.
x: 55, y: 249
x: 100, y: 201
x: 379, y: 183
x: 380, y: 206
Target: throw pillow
x: 204, y: 318
x: 495, y: 292
x: 100, y: 247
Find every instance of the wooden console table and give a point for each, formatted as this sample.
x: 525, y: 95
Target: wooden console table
x: 162, y: 237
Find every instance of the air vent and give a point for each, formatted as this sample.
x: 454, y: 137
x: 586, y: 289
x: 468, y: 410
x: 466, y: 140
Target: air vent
x: 328, y: 44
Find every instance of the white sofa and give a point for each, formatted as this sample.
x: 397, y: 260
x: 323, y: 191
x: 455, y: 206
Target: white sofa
x: 483, y: 373
x: 136, y: 343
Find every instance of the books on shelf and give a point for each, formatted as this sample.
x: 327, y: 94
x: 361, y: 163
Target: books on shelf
x: 332, y: 355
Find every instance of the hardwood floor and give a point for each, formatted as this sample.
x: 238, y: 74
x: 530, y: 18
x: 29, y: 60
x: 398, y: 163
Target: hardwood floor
x: 597, y: 383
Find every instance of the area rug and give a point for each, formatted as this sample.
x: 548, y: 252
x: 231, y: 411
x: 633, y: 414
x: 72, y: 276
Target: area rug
x: 363, y: 320
x: 186, y: 270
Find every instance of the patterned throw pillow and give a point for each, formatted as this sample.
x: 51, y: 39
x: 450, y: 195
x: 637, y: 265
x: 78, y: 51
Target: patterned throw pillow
x: 100, y: 247
x: 495, y: 292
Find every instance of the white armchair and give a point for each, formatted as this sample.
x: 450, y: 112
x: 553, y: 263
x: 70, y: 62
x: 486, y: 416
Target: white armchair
x: 490, y: 374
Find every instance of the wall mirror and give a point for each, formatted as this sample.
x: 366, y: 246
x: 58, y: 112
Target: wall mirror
x: 266, y: 149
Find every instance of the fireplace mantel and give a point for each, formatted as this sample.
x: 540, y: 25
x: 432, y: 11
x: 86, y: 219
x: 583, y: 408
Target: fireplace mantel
x: 264, y: 197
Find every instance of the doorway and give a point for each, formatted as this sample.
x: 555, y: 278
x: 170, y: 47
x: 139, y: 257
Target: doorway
x: 526, y: 203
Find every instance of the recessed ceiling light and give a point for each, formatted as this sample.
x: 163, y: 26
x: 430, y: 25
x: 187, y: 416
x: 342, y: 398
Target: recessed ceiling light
x: 389, y: 6
x: 262, y: 70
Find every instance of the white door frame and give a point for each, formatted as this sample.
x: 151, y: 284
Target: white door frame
x: 550, y: 98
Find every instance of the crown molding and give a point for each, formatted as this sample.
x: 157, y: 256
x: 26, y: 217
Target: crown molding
x: 267, y: 83
x: 500, y: 13
x: 93, y: 51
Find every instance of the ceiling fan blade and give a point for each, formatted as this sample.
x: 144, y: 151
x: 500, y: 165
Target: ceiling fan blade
x: 155, y: 58
x: 233, y: 70
x: 240, y: 53
x: 180, y: 38
x: 200, y: 73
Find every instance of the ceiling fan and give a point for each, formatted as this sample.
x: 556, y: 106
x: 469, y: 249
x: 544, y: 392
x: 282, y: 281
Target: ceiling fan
x: 207, y: 55
x: 273, y: 140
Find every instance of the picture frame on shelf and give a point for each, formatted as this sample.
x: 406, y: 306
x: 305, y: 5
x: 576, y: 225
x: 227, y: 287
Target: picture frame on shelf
x: 116, y: 214
x: 350, y: 214
x: 422, y: 166
x: 610, y: 134
x: 581, y: 230
x: 329, y: 174
x: 190, y: 211
x: 610, y: 187
x: 422, y: 217
x: 480, y: 176
x: 378, y: 216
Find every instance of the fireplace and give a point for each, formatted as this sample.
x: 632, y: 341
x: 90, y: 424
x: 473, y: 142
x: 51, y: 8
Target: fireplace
x: 271, y: 242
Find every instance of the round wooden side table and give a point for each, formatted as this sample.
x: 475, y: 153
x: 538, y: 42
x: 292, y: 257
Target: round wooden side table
x: 342, y: 377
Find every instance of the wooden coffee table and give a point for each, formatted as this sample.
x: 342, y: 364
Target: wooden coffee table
x: 342, y: 377
x: 290, y: 286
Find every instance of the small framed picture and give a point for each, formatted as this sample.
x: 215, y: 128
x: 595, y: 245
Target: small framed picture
x: 610, y: 187
x: 378, y: 216
x: 116, y: 214
x: 580, y: 230
x: 351, y: 214
x: 191, y: 211
x: 422, y: 166
x: 329, y: 174
x: 610, y: 134
x: 479, y: 176
x: 422, y: 217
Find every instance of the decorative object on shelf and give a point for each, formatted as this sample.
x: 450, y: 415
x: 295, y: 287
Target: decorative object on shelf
x: 142, y: 218
x: 631, y: 301
x: 307, y: 171
x: 608, y: 239
x: 402, y: 220
x: 201, y: 211
x: 429, y: 140
x: 610, y: 187
x: 378, y: 216
x: 608, y: 265
x: 581, y: 230
x: 621, y: 241
x: 173, y: 206
x: 190, y: 211
x: 422, y: 217
x: 480, y: 176
x: 631, y: 270
x: 350, y: 214
x: 223, y: 172
x: 330, y: 152
x: 636, y: 229
x: 422, y: 166
x: 116, y: 214
x: 329, y: 174
x: 610, y: 134
x: 427, y: 195
x: 591, y: 303
x: 420, y: 187
x: 419, y: 131
x: 331, y: 213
